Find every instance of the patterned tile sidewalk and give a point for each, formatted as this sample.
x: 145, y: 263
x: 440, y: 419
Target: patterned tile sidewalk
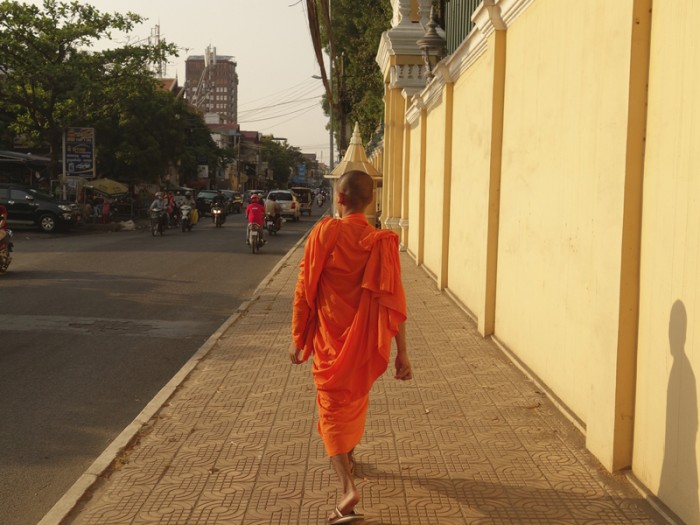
x: 469, y: 441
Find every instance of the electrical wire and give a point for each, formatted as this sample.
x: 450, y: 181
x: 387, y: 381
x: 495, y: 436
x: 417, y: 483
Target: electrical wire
x: 261, y: 108
x: 292, y: 91
x: 308, y: 108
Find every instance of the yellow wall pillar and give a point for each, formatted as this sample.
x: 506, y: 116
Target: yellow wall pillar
x: 442, y: 277
x: 393, y: 135
x: 385, y: 162
x: 628, y: 319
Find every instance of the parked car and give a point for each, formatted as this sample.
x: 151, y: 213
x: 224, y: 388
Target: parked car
x: 288, y: 202
x: 28, y: 206
x: 203, y: 201
x: 305, y: 196
x: 235, y: 201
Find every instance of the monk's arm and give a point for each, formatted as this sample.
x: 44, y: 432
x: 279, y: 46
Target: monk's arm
x: 300, y: 318
x: 402, y: 363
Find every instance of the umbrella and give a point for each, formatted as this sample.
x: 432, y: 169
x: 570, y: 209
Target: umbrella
x: 107, y: 187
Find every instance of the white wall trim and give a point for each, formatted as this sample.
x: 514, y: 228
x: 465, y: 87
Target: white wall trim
x: 512, y: 9
x: 432, y: 95
x: 407, y: 76
x: 413, y: 113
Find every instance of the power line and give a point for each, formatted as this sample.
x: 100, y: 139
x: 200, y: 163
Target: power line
x: 279, y: 104
x: 295, y: 87
x: 296, y: 116
x: 279, y: 116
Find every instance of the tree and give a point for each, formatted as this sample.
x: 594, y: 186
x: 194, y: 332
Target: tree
x: 152, y: 131
x: 350, y: 34
x: 50, y: 80
x: 280, y: 157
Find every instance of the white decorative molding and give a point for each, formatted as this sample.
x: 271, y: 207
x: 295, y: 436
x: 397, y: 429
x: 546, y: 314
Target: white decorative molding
x: 414, y: 111
x: 409, y: 92
x: 383, y: 55
x: 392, y: 222
x: 512, y: 9
x: 432, y: 95
x: 402, y: 12
x: 407, y: 76
x: 467, y: 53
x: 487, y: 18
x: 403, y: 40
x: 424, y: 11
x: 443, y: 72
x: 403, y: 222
x: 400, y: 40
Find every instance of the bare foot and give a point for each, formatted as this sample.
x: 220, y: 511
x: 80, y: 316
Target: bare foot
x: 345, y: 507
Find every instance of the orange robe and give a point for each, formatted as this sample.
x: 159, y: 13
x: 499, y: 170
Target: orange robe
x: 348, y: 305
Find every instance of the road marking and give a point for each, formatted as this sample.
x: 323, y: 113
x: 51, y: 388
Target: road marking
x: 104, y: 326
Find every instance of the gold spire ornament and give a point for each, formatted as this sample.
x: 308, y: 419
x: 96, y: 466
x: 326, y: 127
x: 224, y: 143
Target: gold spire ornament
x: 355, y: 158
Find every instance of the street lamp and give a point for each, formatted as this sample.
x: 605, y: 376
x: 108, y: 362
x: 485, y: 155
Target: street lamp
x: 432, y: 45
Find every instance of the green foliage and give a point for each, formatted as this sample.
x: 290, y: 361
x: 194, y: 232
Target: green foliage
x: 50, y: 79
x: 357, y: 27
x: 281, y: 158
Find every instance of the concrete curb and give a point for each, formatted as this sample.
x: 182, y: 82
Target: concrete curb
x: 75, y: 493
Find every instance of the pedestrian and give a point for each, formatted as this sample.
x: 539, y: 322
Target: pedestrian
x: 349, y: 303
x: 105, y: 210
x: 97, y: 207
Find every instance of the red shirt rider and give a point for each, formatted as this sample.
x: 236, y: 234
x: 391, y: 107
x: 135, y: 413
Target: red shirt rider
x: 255, y: 212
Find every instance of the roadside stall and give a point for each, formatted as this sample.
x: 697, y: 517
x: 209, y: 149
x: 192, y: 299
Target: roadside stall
x: 108, y: 199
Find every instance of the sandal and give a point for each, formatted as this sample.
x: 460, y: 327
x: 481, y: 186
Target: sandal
x: 339, y: 517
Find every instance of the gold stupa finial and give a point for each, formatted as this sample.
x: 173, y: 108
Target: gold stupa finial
x: 355, y: 158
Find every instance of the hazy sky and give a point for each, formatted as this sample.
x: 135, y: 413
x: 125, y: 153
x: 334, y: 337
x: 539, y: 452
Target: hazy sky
x: 271, y: 44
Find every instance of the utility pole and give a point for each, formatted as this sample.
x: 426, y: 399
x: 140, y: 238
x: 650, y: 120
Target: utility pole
x: 330, y: 81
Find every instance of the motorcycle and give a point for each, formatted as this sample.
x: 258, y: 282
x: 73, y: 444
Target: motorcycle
x: 272, y: 225
x: 217, y: 215
x: 255, y: 237
x: 5, y: 249
x: 186, y: 217
x: 320, y: 199
x: 157, y: 222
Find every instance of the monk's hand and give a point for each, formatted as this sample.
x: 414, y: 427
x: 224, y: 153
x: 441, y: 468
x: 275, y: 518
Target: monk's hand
x: 294, y: 353
x: 404, y: 371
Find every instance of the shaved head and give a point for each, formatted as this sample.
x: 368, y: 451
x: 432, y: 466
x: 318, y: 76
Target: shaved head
x: 357, y: 188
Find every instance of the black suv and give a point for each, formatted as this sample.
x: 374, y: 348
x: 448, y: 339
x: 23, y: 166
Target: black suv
x: 203, y: 201
x: 28, y: 206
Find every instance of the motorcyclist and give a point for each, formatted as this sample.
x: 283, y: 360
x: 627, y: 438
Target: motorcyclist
x: 3, y: 226
x: 172, y: 208
x: 189, y: 201
x: 255, y: 214
x: 219, y: 200
x: 5, y: 240
x: 273, y: 210
x: 160, y: 204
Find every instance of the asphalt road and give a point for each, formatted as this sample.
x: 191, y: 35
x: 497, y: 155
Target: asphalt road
x: 92, y: 325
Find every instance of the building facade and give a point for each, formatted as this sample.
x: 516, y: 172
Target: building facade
x: 211, y: 85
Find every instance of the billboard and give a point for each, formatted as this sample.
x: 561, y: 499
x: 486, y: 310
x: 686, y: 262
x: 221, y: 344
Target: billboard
x: 79, y: 152
x: 300, y: 177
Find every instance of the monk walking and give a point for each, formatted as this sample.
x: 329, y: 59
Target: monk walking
x: 349, y: 303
